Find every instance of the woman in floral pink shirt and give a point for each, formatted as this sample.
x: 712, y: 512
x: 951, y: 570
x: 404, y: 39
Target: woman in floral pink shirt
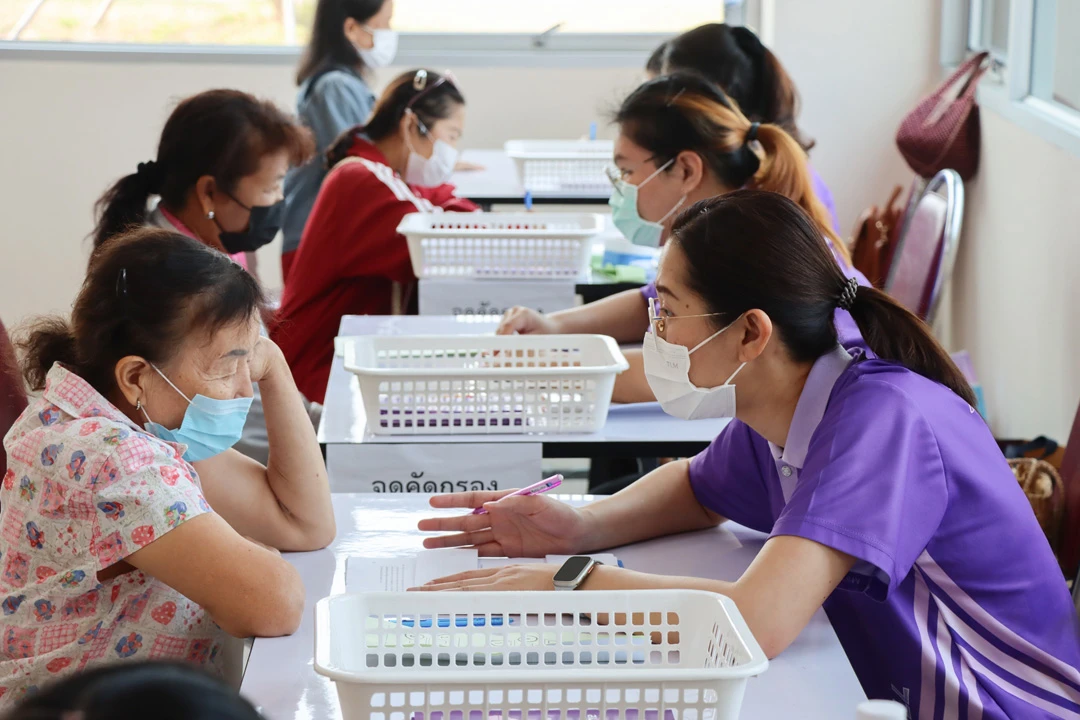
x: 113, y: 546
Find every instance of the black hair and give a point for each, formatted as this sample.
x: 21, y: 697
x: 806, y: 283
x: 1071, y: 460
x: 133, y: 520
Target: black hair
x: 135, y: 691
x: 328, y: 45
x: 428, y: 94
x: 771, y: 257
x: 734, y: 58
x: 223, y: 133
x: 144, y: 293
x: 655, y: 64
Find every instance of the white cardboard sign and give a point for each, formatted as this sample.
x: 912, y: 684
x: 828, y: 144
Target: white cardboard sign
x: 431, y: 468
x: 440, y: 296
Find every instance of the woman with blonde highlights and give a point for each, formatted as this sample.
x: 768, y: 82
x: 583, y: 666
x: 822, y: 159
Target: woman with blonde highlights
x: 681, y: 140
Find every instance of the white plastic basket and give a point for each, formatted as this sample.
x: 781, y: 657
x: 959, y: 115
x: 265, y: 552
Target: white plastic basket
x: 500, y: 245
x: 644, y: 655
x: 562, y: 166
x: 438, y: 385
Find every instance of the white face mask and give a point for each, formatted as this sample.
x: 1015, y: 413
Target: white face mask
x: 435, y: 170
x: 667, y: 369
x: 383, y: 48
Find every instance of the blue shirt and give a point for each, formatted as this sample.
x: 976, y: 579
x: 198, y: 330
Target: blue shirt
x: 339, y: 100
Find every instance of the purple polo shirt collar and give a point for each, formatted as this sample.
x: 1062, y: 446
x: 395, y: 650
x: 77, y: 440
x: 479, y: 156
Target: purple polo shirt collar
x: 809, y: 410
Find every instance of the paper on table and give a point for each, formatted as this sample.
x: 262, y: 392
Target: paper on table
x: 398, y: 574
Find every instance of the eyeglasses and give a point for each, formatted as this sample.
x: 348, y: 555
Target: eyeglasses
x: 659, y: 322
x: 615, y: 176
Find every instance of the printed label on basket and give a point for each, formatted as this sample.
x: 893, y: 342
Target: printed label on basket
x: 493, y: 297
x: 432, y: 467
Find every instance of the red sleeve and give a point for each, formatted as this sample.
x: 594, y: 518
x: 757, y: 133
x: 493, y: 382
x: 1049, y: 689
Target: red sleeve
x: 444, y: 196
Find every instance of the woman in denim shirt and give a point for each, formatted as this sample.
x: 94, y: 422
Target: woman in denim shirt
x: 349, y: 38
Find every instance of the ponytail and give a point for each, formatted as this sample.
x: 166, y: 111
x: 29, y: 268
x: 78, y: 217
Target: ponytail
x: 339, y: 149
x: 894, y: 333
x: 770, y: 254
x: 50, y: 340
x: 784, y: 170
x: 123, y: 206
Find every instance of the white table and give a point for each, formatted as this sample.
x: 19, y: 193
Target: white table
x: 499, y: 183
x: 639, y: 430
x: 812, y: 679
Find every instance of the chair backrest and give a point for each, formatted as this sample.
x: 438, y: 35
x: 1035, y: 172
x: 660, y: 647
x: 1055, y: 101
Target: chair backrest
x: 924, y: 256
x: 1070, y: 477
x: 12, y: 393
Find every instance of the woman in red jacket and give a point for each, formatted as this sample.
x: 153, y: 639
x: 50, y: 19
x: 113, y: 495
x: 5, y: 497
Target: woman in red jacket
x: 351, y: 259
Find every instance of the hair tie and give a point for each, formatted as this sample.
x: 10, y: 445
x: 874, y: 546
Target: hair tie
x: 150, y: 172
x: 846, y: 301
x: 751, y: 134
x: 121, y: 284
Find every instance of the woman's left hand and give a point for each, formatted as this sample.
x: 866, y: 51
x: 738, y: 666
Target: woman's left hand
x: 536, y: 576
x: 263, y: 357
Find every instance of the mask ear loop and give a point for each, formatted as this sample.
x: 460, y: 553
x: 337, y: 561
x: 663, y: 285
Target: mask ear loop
x: 173, y: 386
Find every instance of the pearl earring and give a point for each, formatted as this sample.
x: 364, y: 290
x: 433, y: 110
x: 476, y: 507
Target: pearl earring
x: 210, y: 215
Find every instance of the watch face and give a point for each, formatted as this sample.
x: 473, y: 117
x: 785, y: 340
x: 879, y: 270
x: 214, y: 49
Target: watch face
x: 572, y: 569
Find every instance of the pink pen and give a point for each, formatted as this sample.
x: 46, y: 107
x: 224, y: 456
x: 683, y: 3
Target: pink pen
x: 541, y: 487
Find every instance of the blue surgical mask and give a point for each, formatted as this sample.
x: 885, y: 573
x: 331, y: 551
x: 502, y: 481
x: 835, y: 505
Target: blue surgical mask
x: 624, y: 212
x: 210, y: 426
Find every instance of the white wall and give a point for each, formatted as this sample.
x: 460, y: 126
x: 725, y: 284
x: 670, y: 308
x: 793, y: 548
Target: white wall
x: 70, y: 128
x: 1016, y: 291
x: 860, y: 67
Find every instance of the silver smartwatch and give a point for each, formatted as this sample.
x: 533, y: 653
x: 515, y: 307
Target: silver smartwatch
x: 574, y: 572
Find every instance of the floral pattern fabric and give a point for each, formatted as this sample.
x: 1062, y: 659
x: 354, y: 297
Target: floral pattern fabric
x: 85, y: 488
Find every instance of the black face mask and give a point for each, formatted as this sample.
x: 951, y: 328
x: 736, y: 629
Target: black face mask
x: 262, y: 228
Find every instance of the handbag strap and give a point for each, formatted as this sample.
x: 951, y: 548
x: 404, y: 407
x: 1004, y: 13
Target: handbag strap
x: 972, y: 68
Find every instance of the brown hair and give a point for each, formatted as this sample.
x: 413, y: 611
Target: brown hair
x: 144, y: 293
x: 771, y: 257
x: 751, y: 75
x: 430, y: 95
x: 222, y: 133
x: 684, y: 111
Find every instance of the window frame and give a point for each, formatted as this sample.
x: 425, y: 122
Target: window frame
x: 540, y: 49
x: 1009, y: 93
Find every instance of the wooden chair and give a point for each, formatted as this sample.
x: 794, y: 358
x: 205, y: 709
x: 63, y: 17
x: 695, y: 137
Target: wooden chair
x: 1070, y: 476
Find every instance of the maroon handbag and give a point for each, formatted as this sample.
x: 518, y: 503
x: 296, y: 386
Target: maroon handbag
x: 943, y: 131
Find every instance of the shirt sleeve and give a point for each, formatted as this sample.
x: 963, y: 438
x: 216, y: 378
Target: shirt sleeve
x: 730, y: 477
x: 336, y: 104
x: 142, y: 491
x: 872, y: 486
x: 445, y: 197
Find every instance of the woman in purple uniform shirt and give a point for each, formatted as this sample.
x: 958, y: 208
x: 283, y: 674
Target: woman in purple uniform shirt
x: 884, y: 494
